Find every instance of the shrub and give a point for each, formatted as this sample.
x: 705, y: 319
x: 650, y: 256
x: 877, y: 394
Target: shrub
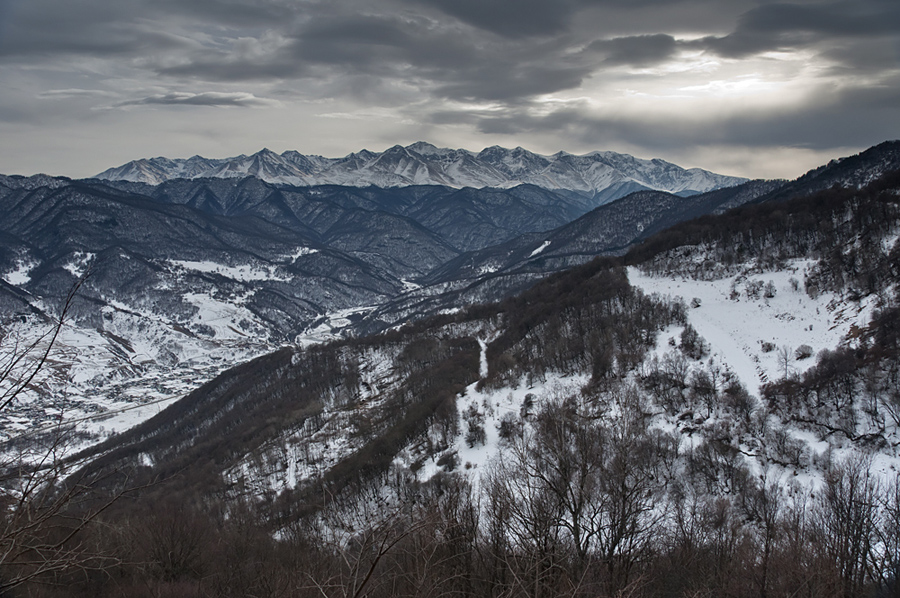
x: 803, y: 352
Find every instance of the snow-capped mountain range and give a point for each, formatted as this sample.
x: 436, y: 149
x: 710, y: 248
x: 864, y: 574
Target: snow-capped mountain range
x: 608, y: 175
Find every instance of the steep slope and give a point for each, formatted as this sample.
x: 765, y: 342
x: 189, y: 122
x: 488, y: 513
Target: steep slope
x: 497, y: 271
x: 185, y: 278
x: 467, y: 219
x: 855, y: 171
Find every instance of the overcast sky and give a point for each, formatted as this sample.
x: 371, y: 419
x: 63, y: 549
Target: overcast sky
x: 744, y: 87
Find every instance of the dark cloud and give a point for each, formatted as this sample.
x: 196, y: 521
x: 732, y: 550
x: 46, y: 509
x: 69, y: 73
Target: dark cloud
x: 41, y: 29
x: 512, y: 84
x: 525, y: 18
x: 848, y: 17
x: 462, y: 66
x: 511, y: 18
x: 209, y: 98
x: 234, y: 13
x: 785, y: 26
x: 451, y: 63
x: 376, y: 42
x: 636, y: 50
x: 448, y: 61
x: 44, y: 28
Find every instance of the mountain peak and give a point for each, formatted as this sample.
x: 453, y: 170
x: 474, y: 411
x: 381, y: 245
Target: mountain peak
x: 424, y: 148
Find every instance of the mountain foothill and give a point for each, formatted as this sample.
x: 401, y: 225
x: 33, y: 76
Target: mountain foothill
x: 439, y: 372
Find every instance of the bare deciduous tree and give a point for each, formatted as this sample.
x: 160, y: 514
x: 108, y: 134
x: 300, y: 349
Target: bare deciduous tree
x: 785, y: 360
x: 846, y: 523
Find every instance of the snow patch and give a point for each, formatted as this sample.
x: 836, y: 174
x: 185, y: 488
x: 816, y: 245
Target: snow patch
x: 410, y: 286
x: 79, y: 264
x: 242, y: 273
x: 21, y: 275
x: 483, y: 363
x: 544, y: 246
x: 301, y: 251
x: 330, y: 326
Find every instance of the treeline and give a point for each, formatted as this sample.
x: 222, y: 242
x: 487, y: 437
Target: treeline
x: 852, y: 391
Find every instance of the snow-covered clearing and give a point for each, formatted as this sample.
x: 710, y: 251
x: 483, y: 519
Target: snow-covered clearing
x: 21, y: 275
x: 79, y: 264
x: 243, y: 272
x: 329, y: 327
x: 746, y: 333
x: 487, y: 408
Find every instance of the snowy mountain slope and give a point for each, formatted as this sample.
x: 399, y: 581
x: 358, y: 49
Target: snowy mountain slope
x: 855, y: 171
x: 171, y: 295
x: 493, y: 272
x: 204, y: 274
x: 747, y: 330
x: 602, y: 175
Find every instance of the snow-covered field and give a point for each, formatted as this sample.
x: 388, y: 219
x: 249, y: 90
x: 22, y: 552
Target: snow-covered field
x: 746, y: 332
x: 757, y: 337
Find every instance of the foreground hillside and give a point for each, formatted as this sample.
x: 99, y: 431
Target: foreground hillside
x: 716, y: 413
